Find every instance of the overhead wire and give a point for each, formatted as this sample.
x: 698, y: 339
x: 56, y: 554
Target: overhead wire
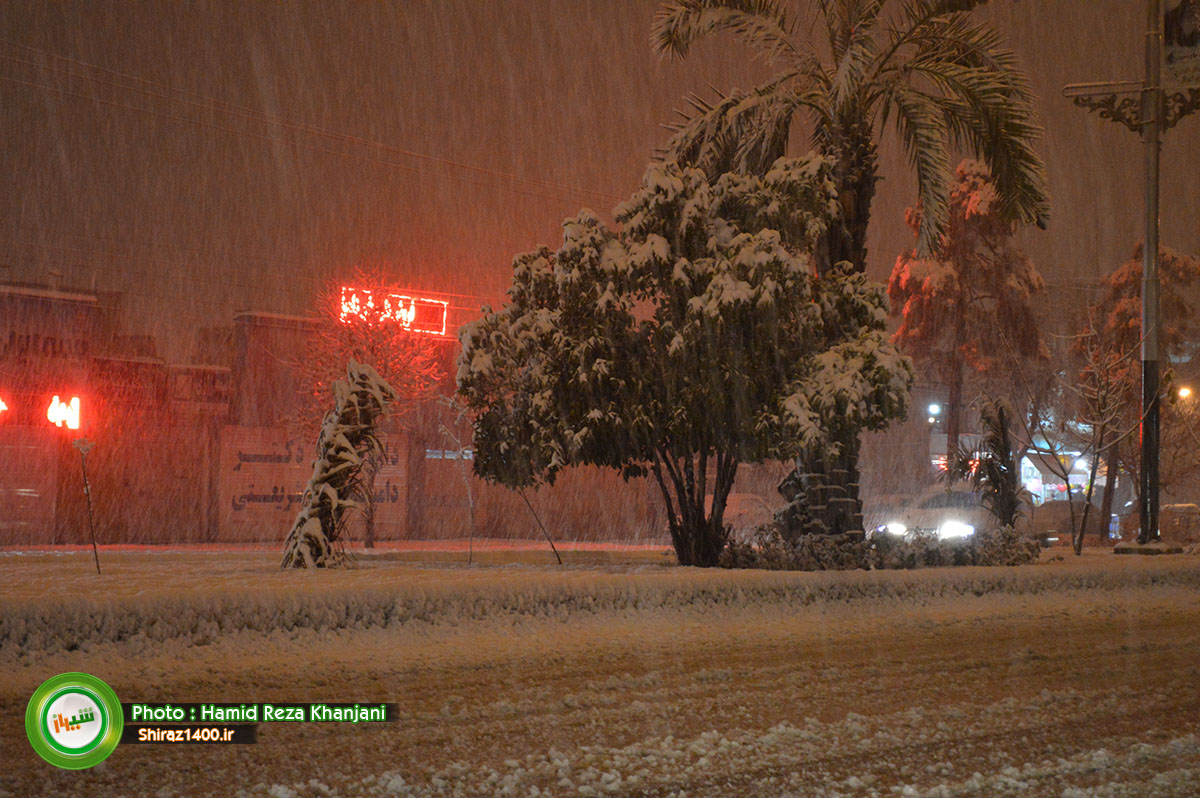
x: 168, y: 93
x: 266, y: 137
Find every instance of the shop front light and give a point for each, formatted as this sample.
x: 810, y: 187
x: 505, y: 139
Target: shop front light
x: 62, y: 413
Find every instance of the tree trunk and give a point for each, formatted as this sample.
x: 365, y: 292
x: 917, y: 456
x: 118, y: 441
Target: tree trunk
x: 851, y: 146
x: 369, y: 503
x: 369, y: 535
x: 953, y: 410
x: 698, y: 539
x: 855, y: 167
x: 1087, y: 498
x: 1110, y: 486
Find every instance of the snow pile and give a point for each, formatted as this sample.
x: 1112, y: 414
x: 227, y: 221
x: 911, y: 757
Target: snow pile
x: 426, y: 598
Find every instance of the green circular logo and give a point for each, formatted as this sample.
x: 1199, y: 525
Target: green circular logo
x: 74, y: 721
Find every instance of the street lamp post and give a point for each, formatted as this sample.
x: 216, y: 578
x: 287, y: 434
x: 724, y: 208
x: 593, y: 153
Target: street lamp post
x: 1157, y: 111
x: 1151, y: 138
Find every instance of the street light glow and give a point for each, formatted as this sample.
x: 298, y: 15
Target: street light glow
x: 935, y: 409
x: 1185, y: 392
x: 59, y: 412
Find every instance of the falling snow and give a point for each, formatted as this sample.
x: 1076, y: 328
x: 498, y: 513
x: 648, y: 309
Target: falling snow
x: 182, y: 181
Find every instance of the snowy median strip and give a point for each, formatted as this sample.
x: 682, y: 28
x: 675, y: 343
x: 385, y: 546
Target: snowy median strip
x: 29, y: 626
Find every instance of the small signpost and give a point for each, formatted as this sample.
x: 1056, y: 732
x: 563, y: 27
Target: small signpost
x: 84, y: 446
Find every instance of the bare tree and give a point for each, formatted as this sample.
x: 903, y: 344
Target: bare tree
x: 1119, y: 333
x: 1104, y: 396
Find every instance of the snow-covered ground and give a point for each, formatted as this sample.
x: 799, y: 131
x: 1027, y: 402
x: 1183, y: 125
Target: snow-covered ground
x: 619, y: 675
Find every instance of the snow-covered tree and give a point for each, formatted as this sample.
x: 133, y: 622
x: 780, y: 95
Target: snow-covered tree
x: 969, y: 303
x: 694, y: 339
x: 339, y: 482
x: 371, y: 334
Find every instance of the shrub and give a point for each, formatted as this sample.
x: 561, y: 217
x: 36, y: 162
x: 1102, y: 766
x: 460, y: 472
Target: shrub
x: 771, y: 550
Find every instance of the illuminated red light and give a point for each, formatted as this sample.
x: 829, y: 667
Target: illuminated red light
x: 416, y: 314
x: 61, y: 412
x: 940, y: 463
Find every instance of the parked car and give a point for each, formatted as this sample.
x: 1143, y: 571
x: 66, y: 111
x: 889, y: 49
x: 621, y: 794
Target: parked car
x: 1051, y: 522
x: 1179, y: 523
x: 948, y: 514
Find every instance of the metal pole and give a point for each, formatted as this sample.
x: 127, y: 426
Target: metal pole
x: 1151, y: 132
x: 549, y: 539
x: 87, y: 491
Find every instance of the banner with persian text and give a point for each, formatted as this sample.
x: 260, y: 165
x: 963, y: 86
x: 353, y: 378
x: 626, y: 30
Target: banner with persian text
x: 262, y: 475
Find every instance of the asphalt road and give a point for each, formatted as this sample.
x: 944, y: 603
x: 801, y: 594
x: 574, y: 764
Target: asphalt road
x: 1071, y: 693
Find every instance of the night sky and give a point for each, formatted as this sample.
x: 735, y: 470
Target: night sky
x: 206, y: 157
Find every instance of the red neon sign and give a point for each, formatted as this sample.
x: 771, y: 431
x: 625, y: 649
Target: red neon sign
x: 416, y: 314
x: 61, y: 412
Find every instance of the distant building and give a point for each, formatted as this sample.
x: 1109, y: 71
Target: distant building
x: 211, y: 451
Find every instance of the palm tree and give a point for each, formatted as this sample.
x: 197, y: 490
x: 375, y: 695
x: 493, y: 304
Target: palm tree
x: 946, y: 83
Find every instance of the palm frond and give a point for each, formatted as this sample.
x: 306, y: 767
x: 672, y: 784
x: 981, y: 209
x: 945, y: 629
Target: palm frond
x: 760, y: 24
x: 707, y: 138
x: 918, y: 10
x: 854, y: 46
x: 985, y: 99
x: 743, y: 131
x: 922, y: 127
x: 914, y: 18
x: 989, y: 108
x: 958, y: 38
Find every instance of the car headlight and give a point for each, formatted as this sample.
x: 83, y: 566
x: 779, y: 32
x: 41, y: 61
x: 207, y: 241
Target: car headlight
x: 895, y: 528
x: 955, y: 529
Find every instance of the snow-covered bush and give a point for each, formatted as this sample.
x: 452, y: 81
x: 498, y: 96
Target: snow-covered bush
x: 1006, y: 545
x: 773, y: 550
x: 348, y: 439
x: 694, y: 339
